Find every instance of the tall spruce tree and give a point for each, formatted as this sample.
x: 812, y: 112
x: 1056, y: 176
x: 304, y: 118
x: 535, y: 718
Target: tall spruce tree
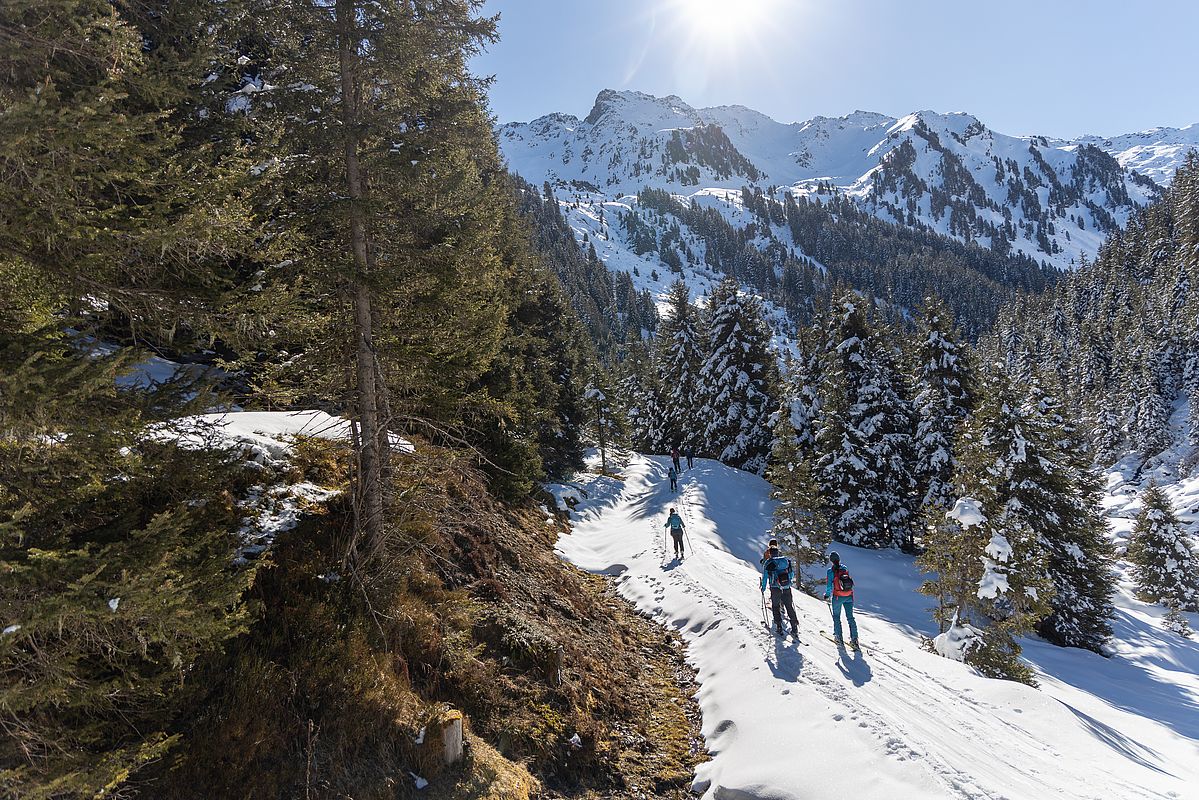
x: 635, y: 396
x: 895, y: 425
x: 801, y: 396
x: 992, y: 575
x: 944, y: 397
x: 845, y: 465
x: 379, y: 180
x: 1078, y: 553
x: 681, y: 356
x: 1165, y: 565
x: 738, y: 381
x: 864, y: 437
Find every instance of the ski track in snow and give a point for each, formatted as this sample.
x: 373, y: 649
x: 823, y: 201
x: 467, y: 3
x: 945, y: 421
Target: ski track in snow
x: 788, y: 720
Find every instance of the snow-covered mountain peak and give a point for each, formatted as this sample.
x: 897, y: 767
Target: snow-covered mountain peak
x: 641, y: 110
x: 1053, y: 200
x: 1155, y: 153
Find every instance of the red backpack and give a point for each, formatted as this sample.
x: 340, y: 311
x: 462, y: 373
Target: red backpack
x: 842, y: 583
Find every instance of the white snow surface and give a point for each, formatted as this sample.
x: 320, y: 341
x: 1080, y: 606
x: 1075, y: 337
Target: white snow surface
x: 784, y: 720
x: 266, y: 435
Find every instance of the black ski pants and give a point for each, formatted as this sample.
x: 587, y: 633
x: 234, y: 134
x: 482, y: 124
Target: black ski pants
x: 677, y: 535
x: 782, y: 597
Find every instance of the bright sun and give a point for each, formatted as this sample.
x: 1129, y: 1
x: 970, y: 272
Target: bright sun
x: 723, y: 21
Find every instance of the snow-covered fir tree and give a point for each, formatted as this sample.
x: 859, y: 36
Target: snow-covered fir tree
x: 864, y: 435
x: 1165, y: 566
x: 944, y: 396
x: 992, y: 575
x: 737, y: 381
x: 845, y: 464
x: 801, y: 401
x: 638, y: 398
x: 630, y: 410
x: 680, y: 358
x: 1073, y: 534
x: 894, y: 420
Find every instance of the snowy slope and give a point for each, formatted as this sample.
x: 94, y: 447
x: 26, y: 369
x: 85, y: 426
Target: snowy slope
x: 1154, y: 153
x: 593, y: 216
x: 785, y: 720
x: 1053, y: 200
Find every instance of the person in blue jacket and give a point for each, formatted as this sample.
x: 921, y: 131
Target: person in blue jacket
x: 840, y: 588
x: 778, y: 574
x: 675, y: 523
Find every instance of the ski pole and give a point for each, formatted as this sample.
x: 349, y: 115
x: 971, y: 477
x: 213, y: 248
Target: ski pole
x: 764, y: 621
x: 689, y: 547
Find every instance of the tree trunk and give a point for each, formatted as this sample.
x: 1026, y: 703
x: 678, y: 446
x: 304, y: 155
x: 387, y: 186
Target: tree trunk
x: 599, y: 414
x: 369, y: 491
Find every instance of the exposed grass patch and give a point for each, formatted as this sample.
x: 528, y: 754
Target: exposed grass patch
x: 566, y: 691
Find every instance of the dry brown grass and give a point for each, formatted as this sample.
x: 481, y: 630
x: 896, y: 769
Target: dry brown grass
x: 471, y: 610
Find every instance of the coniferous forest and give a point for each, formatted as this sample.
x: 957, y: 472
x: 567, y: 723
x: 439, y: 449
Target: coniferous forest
x: 216, y: 215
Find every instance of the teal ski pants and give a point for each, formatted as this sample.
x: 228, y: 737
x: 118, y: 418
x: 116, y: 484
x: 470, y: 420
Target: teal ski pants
x: 845, y: 603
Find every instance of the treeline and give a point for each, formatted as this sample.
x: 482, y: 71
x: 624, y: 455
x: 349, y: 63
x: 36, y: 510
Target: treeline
x: 308, y: 194
x: 1121, y: 335
x: 609, y: 306
x: 707, y: 382
x: 839, y: 246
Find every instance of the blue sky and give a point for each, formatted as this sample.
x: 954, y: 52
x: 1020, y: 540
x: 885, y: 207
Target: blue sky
x: 1054, y: 67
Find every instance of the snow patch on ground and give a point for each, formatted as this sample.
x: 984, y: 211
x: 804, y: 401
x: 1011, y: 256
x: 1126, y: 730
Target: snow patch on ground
x: 266, y: 439
x: 265, y: 436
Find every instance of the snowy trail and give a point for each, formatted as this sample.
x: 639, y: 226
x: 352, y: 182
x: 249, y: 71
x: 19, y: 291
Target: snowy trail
x: 802, y: 720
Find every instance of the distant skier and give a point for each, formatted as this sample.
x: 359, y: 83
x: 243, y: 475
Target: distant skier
x: 690, y: 456
x: 673, y: 474
x: 840, y: 587
x: 675, y: 523
x: 674, y: 456
x: 778, y: 574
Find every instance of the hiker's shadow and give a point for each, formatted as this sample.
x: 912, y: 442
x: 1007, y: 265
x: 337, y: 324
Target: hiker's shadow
x: 669, y: 565
x: 788, y: 661
x: 853, y: 665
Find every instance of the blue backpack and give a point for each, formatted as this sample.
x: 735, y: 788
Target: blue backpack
x: 779, y: 569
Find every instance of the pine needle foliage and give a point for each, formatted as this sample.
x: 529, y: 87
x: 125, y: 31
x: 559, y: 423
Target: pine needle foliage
x: 118, y: 550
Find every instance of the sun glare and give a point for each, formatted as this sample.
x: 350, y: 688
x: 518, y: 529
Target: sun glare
x: 727, y: 22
